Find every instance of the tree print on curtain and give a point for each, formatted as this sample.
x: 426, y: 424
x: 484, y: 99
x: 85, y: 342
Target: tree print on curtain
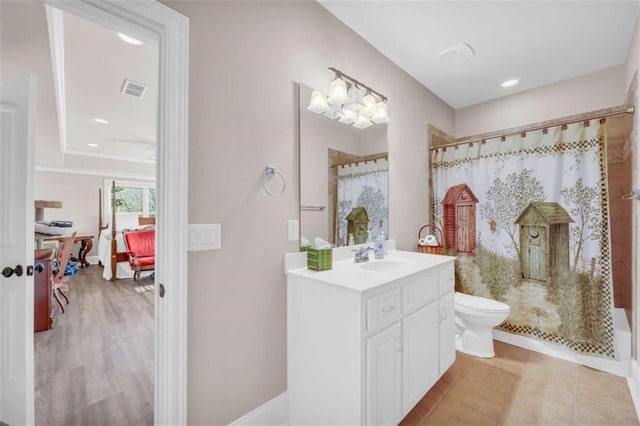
x: 542, y: 231
x: 363, y: 184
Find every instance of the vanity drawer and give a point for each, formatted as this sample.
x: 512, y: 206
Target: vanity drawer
x: 446, y: 278
x: 420, y: 293
x: 383, y: 309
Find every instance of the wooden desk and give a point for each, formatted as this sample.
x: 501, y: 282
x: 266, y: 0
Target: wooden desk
x: 86, y: 244
x: 42, y: 309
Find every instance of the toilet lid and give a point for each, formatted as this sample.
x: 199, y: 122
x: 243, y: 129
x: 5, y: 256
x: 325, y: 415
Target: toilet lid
x: 480, y: 304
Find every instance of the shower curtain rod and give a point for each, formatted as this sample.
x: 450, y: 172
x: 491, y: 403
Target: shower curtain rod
x: 613, y: 112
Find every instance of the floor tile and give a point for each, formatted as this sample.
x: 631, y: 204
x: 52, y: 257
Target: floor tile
x: 454, y: 413
x: 520, y: 387
x: 590, y: 382
x: 591, y: 413
x: 485, y: 397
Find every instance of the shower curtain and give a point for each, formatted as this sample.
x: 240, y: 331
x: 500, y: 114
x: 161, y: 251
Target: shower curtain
x: 363, y: 184
x: 526, y: 215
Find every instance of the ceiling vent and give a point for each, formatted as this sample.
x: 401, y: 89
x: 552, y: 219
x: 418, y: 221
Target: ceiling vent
x: 456, y: 54
x: 131, y: 88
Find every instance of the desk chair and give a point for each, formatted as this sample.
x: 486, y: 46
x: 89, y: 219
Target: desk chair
x: 62, y: 257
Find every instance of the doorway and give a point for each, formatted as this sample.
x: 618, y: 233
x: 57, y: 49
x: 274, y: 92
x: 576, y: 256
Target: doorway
x: 170, y: 29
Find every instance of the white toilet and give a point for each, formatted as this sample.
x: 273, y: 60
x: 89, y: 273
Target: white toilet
x: 475, y: 319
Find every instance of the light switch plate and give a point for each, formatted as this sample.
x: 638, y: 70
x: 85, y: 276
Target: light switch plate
x: 201, y: 236
x: 293, y: 230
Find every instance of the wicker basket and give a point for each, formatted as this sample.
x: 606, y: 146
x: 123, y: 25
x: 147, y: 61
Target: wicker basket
x: 431, y: 249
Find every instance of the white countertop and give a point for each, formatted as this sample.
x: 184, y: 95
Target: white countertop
x: 353, y: 276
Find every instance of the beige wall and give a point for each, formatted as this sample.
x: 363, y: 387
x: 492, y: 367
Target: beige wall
x: 602, y: 89
x: 245, y: 58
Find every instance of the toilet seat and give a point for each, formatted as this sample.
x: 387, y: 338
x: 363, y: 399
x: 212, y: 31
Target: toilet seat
x: 480, y: 305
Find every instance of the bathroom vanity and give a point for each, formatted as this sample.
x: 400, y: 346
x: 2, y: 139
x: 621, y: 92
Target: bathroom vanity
x: 366, y: 341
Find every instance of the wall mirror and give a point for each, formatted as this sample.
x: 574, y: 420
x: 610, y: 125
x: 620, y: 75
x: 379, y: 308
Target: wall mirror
x: 344, y: 178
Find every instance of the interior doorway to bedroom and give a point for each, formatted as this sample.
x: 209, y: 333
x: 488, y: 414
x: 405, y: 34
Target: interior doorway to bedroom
x: 97, y: 359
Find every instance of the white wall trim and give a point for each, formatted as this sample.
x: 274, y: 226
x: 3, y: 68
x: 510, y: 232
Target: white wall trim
x: 101, y: 173
x: 634, y: 385
x: 108, y: 156
x: 55, y: 22
x: 274, y: 412
x: 156, y: 21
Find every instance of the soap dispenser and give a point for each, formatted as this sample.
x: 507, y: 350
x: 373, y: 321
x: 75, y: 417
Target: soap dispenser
x: 379, y: 249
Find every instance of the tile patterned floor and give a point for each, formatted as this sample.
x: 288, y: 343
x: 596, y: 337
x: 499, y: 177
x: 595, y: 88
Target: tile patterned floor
x: 520, y: 387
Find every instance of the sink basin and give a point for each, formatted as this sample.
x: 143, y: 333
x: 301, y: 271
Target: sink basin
x: 385, y: 265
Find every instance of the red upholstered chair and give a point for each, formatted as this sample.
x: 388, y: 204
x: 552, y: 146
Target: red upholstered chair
x: 141, y: 248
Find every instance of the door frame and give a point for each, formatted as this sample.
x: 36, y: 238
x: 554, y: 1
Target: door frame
x: 171, y: 30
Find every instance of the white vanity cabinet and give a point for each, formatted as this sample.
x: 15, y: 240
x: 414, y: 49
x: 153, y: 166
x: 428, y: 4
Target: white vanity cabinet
x: 366, y: 354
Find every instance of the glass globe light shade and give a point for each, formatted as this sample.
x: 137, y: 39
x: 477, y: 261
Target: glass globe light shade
x: 318, y: 103
x: 381, y: 115
x: 334, y: 112
x: 369, y: 105
x: 338, y: 92
x: 362, y: 122
x: 348, y: 116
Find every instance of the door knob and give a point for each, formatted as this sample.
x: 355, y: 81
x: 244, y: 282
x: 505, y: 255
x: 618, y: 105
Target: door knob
x: 7, y: 272
x: 38, y: 268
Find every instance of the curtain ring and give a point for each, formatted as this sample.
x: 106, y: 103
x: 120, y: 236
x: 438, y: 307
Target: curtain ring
x: 270, y: 172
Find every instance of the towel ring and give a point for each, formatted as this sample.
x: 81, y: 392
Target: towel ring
x: 270, y: 172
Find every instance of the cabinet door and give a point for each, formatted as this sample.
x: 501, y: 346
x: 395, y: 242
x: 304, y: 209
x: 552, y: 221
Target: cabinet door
x: 384, y: 377
x: 420, y: 338
x: 447, y: 332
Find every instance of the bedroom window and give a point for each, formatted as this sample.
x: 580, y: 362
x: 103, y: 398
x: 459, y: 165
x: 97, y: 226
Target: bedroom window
x: 132, y: 197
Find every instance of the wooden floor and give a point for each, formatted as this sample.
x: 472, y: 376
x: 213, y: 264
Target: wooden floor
x: 521, y: 387
x: 95, y: 367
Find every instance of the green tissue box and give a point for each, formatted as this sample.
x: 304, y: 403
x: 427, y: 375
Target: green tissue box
x: 319, y: 259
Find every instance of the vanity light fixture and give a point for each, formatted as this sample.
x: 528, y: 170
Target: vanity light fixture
x: 101, y: 120
x: 93, y: 145
x: 350, y: 102
x: 510, y: 83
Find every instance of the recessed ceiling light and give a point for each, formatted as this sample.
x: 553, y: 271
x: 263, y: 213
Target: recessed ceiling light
x: 510, y: 83
x: 129, y: 39
x: 456, y: 54
x: 101, y: 120
x: 93, y: 145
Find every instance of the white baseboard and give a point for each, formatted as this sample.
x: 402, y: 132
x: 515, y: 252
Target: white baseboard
x: 634, y: 385
x: 274, y: 412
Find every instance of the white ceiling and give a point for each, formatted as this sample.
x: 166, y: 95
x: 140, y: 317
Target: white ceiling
x: 538, y: 42
x: 96, y: 63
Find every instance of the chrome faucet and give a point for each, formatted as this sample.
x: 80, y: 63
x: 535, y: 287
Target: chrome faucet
x: 362, y: 255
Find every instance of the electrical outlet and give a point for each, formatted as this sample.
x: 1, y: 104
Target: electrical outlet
x: 293, y: 230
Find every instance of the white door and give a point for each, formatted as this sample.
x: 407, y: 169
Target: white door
x: 420, y: 337
x: 447, y: 332
x: 384, y: 377
x: 17, y: 118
